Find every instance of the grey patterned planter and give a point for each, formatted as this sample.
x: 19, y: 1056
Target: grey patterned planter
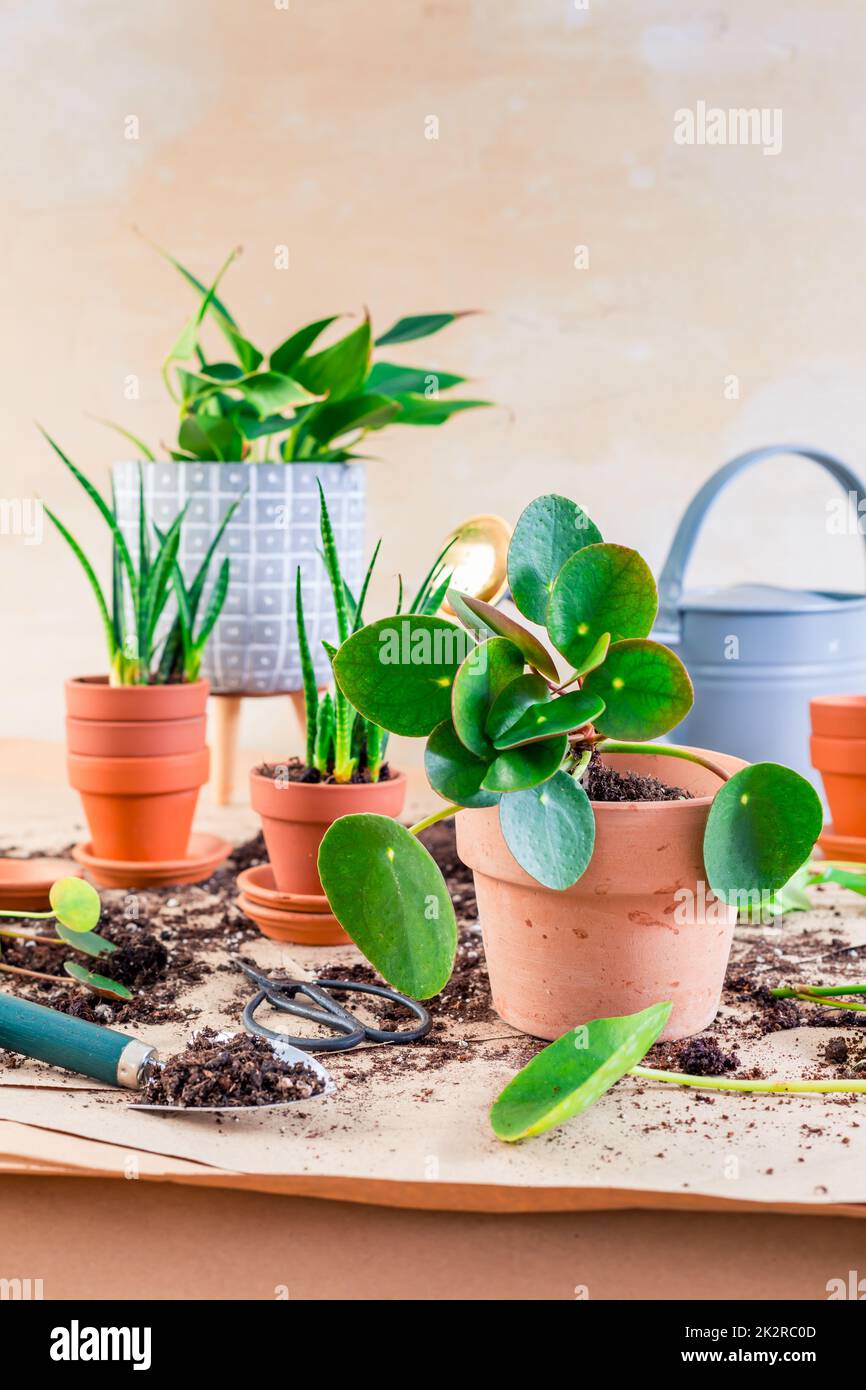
x: 254, y: 647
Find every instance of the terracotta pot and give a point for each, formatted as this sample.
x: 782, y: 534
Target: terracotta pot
x: 842, y: 764
x: 839, y: 716
x: 91, y: 697
x: 621, y: 938
x: 295, y: 816
x: 139, y: 809
x: 131, y: 738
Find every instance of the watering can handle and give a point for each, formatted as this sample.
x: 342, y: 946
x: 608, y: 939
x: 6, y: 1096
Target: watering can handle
x: 671, y: 579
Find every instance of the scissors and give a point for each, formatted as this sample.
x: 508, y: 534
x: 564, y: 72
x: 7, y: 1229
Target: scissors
x: 346, y: 1030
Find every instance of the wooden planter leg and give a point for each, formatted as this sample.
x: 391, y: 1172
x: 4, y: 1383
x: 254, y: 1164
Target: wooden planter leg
x: 226, y: 712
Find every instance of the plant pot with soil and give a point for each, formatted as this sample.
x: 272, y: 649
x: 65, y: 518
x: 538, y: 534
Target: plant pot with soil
x: 241, y: 422
x: 838, y: 750
x: 136, y: 738
x: 593, y: 899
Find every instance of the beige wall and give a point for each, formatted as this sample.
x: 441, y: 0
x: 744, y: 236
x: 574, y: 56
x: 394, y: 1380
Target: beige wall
x: 305, y: 125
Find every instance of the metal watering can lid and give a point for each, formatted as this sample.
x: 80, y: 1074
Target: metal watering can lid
x: 743, y: 598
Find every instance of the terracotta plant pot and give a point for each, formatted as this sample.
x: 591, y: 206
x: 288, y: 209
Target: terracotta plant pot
x: 295, y: 816
x: 623, y: 937
x: 838, y: 749
x: 138, y: 758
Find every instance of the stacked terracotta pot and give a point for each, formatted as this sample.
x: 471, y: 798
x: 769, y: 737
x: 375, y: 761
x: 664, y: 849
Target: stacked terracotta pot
x: 838, y: 749
x: 138, y: 758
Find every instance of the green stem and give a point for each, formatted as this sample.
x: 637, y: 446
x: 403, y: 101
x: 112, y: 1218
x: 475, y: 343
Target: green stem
x: 41, y: 915
x: 831, y: 1003
x: 663, y: 750
x: 34, y: 974
x: 581, y: 765
x: 723, y: 1083
x: 818, y: 991
x: 445, y: 812
x: 32, y: 936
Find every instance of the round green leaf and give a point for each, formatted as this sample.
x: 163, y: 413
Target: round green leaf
x: 762, y: 825
x: 513, y: 702
x: 387, y: 892
x: 100, y: 984
x: 603, y: 588
x: 481, y: 677
x: 552, y: 717
x: 75, y: 904
x: 484, y: 615
x: 398, y: 671
x: 548, y: 532
x: 645, y: 688
x: 571, y: 1074
x: 88, y: 942
x: 550, y: 830
x: 453, y: 771
x: 516, y: 769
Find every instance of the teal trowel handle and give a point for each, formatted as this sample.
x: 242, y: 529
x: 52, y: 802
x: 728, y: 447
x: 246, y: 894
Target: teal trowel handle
x: 69, y: 1042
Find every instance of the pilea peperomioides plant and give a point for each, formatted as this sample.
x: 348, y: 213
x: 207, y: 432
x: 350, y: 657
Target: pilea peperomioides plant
x: 75, y: 911
x: 505, y: 727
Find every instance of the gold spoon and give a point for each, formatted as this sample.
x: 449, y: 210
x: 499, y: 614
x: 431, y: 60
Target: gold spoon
x: 478, y: 556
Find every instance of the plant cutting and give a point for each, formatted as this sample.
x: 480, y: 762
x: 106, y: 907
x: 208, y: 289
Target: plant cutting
x: 588, y: 904
x: 75, y: 911
x: 344, y: 768
x: 136, y: 739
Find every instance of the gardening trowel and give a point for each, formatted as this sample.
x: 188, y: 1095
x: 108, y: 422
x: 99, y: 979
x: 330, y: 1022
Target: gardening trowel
x: 107, y: 1055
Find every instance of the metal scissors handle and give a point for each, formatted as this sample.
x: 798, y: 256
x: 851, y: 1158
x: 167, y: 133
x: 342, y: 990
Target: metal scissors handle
x: 346, y: 1030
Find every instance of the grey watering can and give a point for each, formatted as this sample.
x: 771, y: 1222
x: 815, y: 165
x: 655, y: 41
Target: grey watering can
x: 757, y: 653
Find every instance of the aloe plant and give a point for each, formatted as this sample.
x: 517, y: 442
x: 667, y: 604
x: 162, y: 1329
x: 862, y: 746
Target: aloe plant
x: 505, y: 728
x: 306, y: 402
x: 138, y: 652
x: 339, y: 739
x: 75, y: 911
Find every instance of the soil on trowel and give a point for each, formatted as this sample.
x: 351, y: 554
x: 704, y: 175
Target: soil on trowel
x: 603, y: 783
x: 242, y: 1070
x: 294, y: 770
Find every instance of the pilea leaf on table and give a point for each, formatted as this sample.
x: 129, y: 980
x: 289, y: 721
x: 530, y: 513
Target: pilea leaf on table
x: 499, y: 623
x: 453, y: 771
x: 550, y: 830
x: 552, y: 717
x: 398, y: 671
x: 645, y: 688
x: 75, y: 904
x: 513, y: 701
x: 487, y: 670
x: 387, y: 892
x: 548, y: 532
x: 87, y: 941
x: 762, y: 824
x: 572, y: 1073
x: 603, y: 588
x: 99, y: 983
x: 517, y: 769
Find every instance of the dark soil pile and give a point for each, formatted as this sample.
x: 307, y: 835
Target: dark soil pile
x: 244, y: 1070
x: 294, y: 770
x: 603, y: 783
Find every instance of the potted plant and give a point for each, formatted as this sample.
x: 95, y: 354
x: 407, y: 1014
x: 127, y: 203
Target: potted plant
x: 344, y: 769
x: 277, y: 430
x: 136, y: 738
x: 588, y: 906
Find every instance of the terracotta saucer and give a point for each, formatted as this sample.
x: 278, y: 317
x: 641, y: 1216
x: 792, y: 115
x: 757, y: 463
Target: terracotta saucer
x: 847, y: 847
x: 300, y: 928
x: 258, y: 885
x: 25, y: 883
x: 205, y: 853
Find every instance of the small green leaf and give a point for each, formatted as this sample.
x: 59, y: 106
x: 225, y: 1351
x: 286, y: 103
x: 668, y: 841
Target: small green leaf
x: 762, y: 824
x: 86, y: 941
x: 571, y: 1074
x: 603, y: 588
x: 485, y: 673
x: 389, y: 378
x: 485, y: 616
x: 645, y: 688
x: 517, y: 769
x: 294, y: 348
x: 406, y: 330
x: 334, y: 419
x: 271, y: 391
x: 548, y: 532
x: 430, y: 410
x: 513, y: 702
x: 75, y: 903
x: 552, y: 717
x: 99, y: 983
x: 387, y: 892
x: 398, y: 671
x: 454, y: 772
x: 340, y: 370
x: 550, y: 830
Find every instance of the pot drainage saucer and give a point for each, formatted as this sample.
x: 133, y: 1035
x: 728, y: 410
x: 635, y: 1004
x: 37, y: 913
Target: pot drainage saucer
x: 259, y: 886
x: 299, y: 928
x: 25, y: 883
x: 204, y: 854
x: 851, y: 848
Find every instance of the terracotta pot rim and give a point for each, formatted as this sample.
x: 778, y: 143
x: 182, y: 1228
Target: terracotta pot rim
x: 645, y: 808
x: 857, y: 702
x: 102, y: 681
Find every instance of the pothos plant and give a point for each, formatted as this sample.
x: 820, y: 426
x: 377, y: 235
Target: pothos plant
x: 75, y: 911
x: 506, y: 728
x: 339, y: 739
x: 140, y: 651
x: 305, y: 402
